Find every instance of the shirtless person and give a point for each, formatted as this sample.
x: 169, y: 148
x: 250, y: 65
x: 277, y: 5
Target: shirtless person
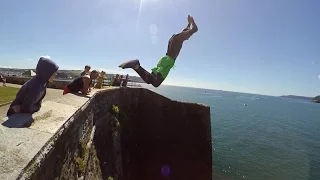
x: 160, y: 72
x: 86, y: 70
x: 81, y: 84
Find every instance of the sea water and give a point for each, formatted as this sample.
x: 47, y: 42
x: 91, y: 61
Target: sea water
x: 271, y: 138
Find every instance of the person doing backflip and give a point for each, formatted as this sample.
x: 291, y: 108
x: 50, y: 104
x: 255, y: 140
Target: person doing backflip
x: 165, y: 64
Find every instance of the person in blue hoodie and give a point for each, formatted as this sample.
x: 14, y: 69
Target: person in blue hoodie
x: 30, y: 95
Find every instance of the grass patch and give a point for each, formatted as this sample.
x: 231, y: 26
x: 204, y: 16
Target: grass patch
x: 7, y: 94
x: 83, y: 153
x: 32, y: 168
x: 114, y: 133
x: 117, y: 124
x: 81, y: 165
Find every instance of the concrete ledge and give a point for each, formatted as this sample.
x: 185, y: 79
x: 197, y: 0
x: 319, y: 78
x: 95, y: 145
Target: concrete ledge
x: 23, y: 135
x: 108, y: 134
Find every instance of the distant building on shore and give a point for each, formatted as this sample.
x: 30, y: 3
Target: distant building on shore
x: 29, y: 73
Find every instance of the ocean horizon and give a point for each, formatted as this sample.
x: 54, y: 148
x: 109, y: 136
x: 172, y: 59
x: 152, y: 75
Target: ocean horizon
x: 258, y: 136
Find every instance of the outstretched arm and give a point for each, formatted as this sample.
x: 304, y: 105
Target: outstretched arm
x: 86, y: 84
x: 186, y: 34
x: 188, y: 27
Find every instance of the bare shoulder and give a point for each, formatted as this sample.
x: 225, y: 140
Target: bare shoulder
x: 85, y: 78
x: 180, y: 36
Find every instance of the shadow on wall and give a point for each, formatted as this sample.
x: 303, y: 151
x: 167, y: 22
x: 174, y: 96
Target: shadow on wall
x: 157, y: 138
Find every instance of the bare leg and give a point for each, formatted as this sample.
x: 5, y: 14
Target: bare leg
x: 154, y: 79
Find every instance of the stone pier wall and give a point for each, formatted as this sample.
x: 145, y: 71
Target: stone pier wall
x: 125, y: 134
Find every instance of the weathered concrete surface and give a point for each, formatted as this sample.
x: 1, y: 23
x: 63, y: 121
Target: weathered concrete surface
x: 20, y: 145
x: 85, y: 137
x: 17, y: 148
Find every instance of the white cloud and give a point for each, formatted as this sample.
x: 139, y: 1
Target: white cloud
x: 319, y: 77
x: 2, y: 66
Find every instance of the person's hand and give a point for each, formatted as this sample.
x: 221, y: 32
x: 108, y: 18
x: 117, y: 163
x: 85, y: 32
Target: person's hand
x: 16, y: 108
x: 190, y: 19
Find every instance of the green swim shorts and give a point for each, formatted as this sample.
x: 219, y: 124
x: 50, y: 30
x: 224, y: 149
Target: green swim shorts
x: 164, y: 66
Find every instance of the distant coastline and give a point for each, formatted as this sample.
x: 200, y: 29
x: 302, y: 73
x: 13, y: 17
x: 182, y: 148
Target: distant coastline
x: 61, y: 74
x: 297, y: 97
x: 69, y: 75
x: 313, y: 99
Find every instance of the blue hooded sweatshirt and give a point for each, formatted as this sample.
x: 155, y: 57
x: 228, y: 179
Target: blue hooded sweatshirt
x: 30, y: 95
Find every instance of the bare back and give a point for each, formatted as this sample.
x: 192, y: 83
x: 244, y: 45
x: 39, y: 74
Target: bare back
x: 174, y: 46
x: 176, y: 41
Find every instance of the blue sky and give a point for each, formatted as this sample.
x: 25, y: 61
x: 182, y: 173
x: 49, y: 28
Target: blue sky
x: 267, y: 47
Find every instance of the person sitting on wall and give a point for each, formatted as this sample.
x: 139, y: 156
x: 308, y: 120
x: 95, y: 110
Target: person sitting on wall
x: 30, y: 95
x: 116, y: 81
x: 120, y: 79
x: 81, y: 84
x: 112, y: 80
x: 100, y: 79
x: 3, y: 79
x: 125, y: 81
x: 86, y: 70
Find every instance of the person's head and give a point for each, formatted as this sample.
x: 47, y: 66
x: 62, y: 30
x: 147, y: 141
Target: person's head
x: 117, y: 75
x: 127, y: 76
x: 94, y: 74
x: 103, y: 73
x: 121, y: 76
x: 46, y: 69
x: 87, y: 68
